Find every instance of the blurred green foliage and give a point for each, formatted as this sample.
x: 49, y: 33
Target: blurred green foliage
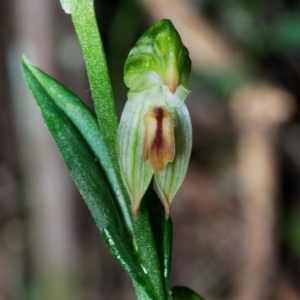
x: 291, y: 232
x: 261, y: 29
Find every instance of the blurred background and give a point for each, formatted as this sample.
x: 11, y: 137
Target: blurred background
x: 236, y: 217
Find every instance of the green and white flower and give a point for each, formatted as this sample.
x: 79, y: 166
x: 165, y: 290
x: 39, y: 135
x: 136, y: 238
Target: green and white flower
x: 155, y: 132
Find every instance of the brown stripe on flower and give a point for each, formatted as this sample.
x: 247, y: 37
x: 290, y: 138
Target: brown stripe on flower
x: 159, y: 143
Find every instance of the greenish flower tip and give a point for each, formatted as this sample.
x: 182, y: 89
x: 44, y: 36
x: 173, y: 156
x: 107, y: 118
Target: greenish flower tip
x: 155, y: 133
x: 158, y: 58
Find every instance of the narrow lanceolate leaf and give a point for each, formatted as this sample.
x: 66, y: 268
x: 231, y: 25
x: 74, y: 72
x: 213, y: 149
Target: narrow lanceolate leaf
x: 162, y: 230
x: 86, y: 123
x: 170, y: 179
x: 89, y: 179
x: 184, y: 293
x: 148, y: 254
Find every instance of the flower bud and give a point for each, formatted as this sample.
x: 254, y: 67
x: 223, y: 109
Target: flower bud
x: 155, y: 133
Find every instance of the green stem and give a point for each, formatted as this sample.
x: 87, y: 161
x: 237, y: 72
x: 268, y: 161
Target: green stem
x: 84, y: 19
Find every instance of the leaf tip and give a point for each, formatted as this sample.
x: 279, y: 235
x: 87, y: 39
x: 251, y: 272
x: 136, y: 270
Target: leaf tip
x: 26, y: 62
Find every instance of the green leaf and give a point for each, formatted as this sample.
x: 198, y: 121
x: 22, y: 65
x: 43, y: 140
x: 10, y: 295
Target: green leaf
x: 162, y: 230
x: 86, y: 123
x: 67, y: 104
x: 148, y: 253
x: 88, y: 177
x: 184, y: 293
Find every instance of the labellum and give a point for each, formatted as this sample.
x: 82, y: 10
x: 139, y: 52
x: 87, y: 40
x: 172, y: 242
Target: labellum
x: 159, y: 144
x: 155, y: 133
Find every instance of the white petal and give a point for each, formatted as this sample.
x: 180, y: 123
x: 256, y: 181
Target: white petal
x: 170, y: 179
x: 135, y: 172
